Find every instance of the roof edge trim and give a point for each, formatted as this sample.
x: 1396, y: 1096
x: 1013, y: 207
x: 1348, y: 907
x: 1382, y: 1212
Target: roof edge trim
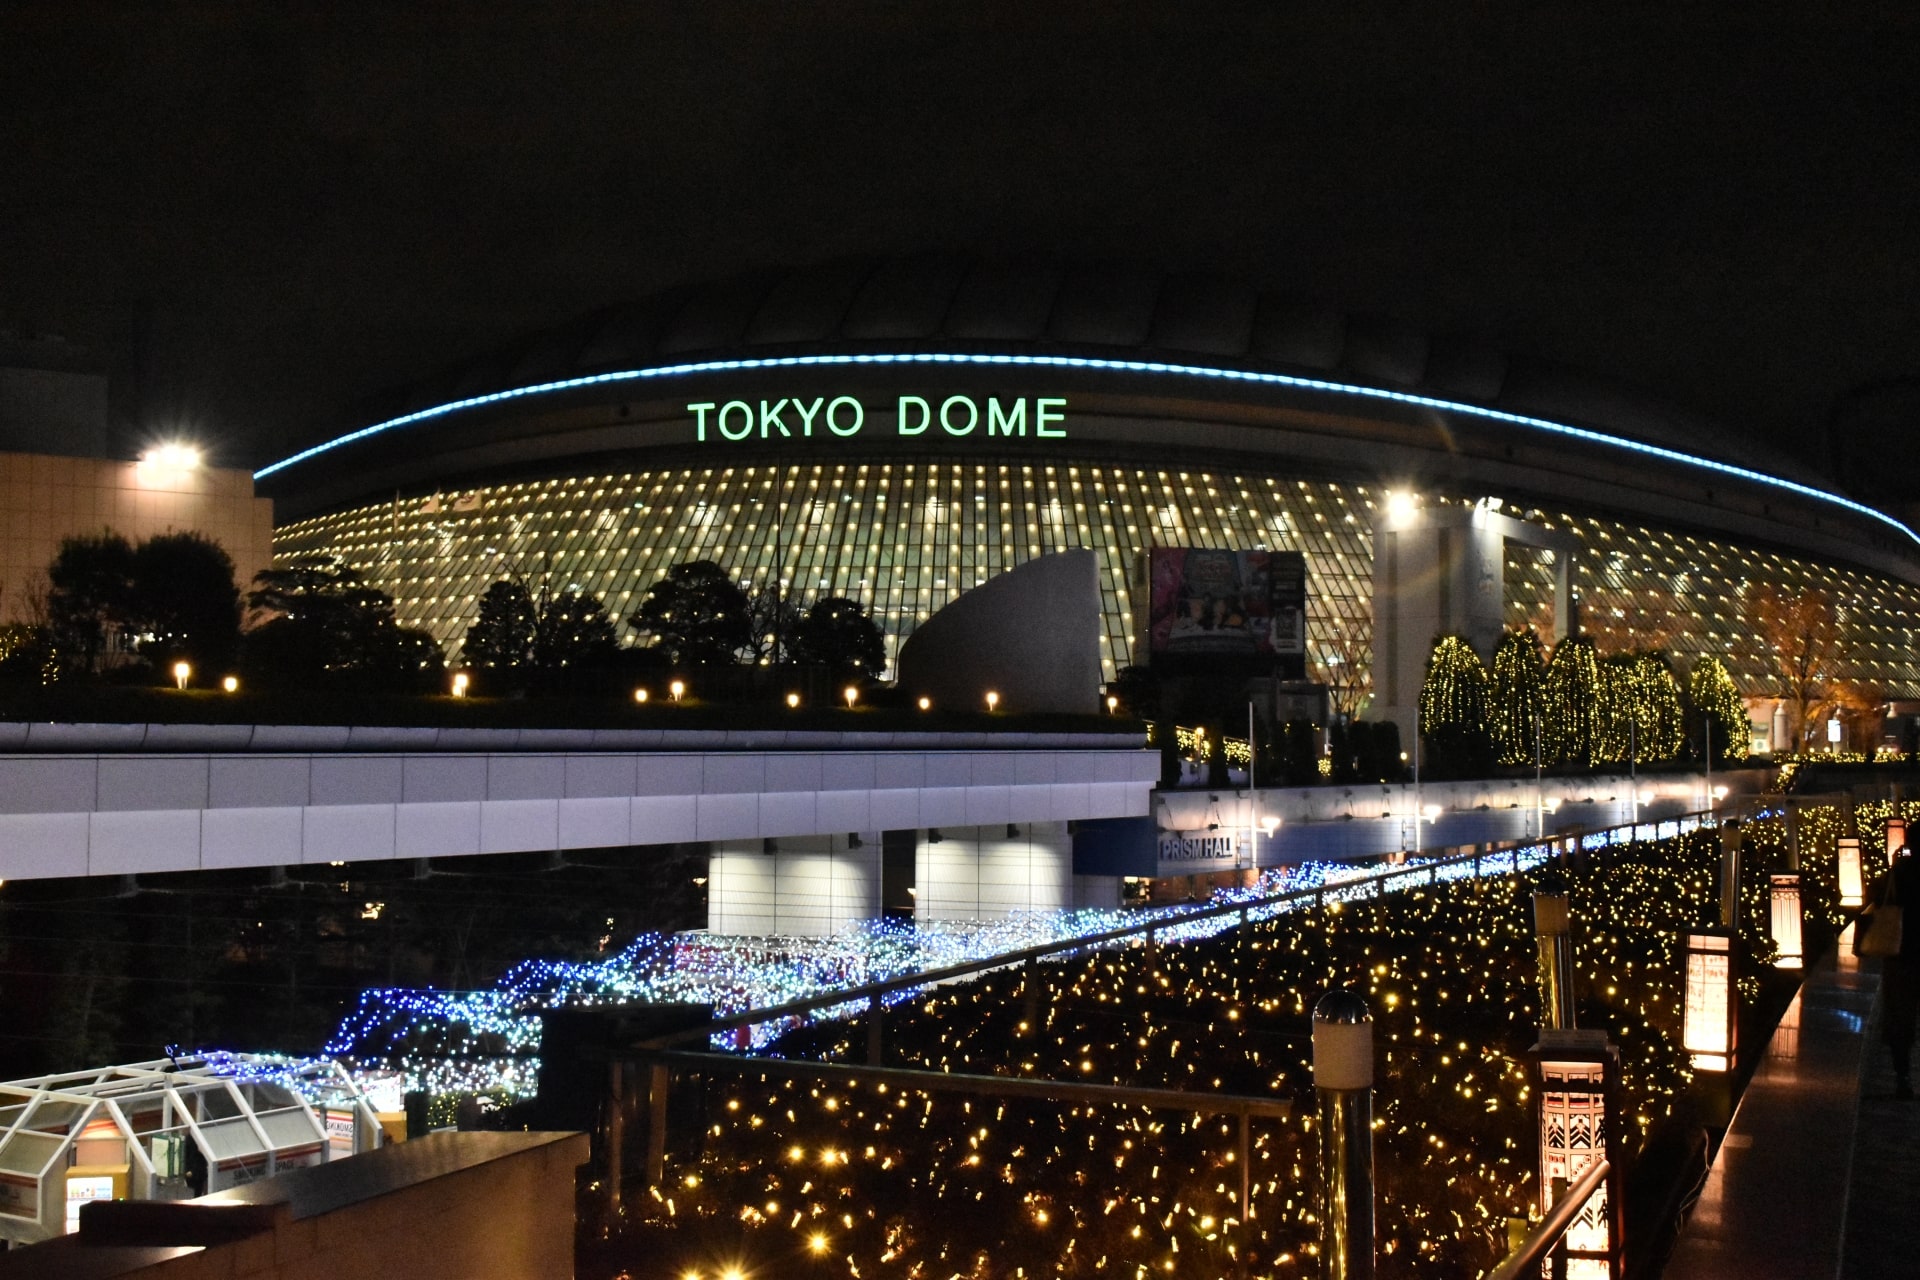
x: 1103, y: 365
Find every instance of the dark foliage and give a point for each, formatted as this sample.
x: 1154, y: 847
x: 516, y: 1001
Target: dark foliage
x: 697, y: 615
x: 184, y: 605
x: 837, y: 633
x: 499, y: 644
x: 89, y: 598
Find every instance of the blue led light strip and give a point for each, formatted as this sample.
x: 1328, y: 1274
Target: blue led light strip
x: 1110, y: 366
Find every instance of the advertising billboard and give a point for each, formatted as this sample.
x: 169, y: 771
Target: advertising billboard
x: 1244, y: 610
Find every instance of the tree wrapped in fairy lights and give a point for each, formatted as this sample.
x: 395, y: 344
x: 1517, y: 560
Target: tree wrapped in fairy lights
x: 1453, y: 711
x: 1637, y: 711
x: 1716, y: 698
x: 1573, y: 689
x: 1518, y: 703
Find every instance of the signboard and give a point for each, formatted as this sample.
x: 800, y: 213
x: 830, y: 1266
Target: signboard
x: 1207, y: 846
x: 1244, y: 609
x: 980, y: 418
x: 340, y: 1130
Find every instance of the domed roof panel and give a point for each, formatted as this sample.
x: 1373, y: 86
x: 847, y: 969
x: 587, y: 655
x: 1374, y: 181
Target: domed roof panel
x: 1004, y: 301
x: 718, y: 315
x: 1109, y: 305
x: 908, y: 298
x: 1381, y: 350
x: 1465, y: 369
x: 630, y: 335
x: 1299, y: 333
x: 1204, y: 313
x: 808, y: 305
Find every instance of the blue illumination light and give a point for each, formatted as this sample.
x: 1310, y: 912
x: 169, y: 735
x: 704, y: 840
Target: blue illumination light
x: 1104, y: 365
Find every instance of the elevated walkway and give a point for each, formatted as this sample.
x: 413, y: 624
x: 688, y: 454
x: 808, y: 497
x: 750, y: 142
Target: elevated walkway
x: 1816, y: 1175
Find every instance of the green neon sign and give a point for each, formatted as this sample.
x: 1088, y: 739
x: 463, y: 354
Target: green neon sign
x: 958, y: 417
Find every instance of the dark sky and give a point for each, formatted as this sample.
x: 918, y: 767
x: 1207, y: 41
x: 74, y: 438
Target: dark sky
x: 257, y: 218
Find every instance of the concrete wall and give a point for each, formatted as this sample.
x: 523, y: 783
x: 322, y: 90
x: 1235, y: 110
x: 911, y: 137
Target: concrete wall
x: 73, y: 815
x: 814, y: 886
x: 1031, y: 634
x: 45, y: 499
x: 450, y: 1206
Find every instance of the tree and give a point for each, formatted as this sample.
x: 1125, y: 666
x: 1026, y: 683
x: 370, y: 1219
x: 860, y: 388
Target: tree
x: 184, y: 603
x: 499, y: 644
x: 1573, y: 690
x: 1716, y: 699
x: 1453, y: 711
x: 1805, y: 648
x: 317, y: 618
x: 837, y: 633
x: 89, y: 596
x: 697, y: 614
x: 771, y: 621
x: 1344, y: 666
x: 574, y: 634
x: 1518, y: 708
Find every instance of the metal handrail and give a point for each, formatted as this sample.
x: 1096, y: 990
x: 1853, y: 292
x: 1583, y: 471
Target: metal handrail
x: 874, y: 992
x: 1234, y: 1104
x: 1549, y: 1231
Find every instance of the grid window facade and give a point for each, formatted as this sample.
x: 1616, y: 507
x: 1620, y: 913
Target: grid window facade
x: 905, y: 538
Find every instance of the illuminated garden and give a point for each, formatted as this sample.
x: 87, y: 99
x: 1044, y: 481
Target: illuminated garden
x: 767, y: 1173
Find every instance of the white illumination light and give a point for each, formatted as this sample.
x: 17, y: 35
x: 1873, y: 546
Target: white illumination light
x: 1130, y: 367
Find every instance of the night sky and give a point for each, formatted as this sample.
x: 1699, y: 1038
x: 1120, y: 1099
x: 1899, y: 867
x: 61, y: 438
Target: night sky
x: 254, y: 220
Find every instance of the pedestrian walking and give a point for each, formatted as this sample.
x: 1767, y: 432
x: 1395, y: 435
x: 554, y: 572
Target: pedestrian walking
x: 1900, y: 981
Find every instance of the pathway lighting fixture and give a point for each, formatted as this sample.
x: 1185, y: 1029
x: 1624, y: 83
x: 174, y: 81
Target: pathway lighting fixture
x: 231, y: 684
x: 1576, y: 1084
x: 1896, y: 838
x: 1113, y: 704
x: 1711, y: 1015
x: 639, y: 695
x: 460, y: 681
x: 181, y: 672
x: 793, y: 701
x: 1784, y: 899
x: 677, y: 688
x: 993, y: 700
x: 851, y: 694
x: 926, y: 704
x: 1852, y: 891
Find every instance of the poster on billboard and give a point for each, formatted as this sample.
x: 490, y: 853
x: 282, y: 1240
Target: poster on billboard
x: 1244, y: 609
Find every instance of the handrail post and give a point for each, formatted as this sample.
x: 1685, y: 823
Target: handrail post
x: 1553, y: 933
x: 658, y: 1085
x: 1343, y: 1092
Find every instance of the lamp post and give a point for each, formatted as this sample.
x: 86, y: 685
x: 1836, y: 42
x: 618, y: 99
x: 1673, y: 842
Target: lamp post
x: 1896, y: 837
x: 1343, y: 1101
x: 1553, y: 933
x: 1785, y: 916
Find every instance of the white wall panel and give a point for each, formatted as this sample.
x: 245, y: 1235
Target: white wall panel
x: 156, y: 840
x: 34, y: 845
x: 442, y: 829
x: 249, y: 838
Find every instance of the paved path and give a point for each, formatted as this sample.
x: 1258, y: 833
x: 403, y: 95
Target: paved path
x: 1790, y: 1183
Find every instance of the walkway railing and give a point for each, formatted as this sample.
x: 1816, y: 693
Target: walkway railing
x: 1545, y: 1243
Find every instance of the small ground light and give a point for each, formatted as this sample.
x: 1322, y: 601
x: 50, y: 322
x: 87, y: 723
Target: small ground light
x: 818, y: 1243
x: 793, y: 700
x: 852, y: 695
x: 181, y: 671
x: 1113, y: 704
x: 639, y: 695
x: 926, y: 704
x: 677, y: 688
x: 460, y: 681
x: 993, y: 700
x: 231, y: 684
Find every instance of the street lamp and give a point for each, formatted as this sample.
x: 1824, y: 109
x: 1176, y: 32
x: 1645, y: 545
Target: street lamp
x: 181, y: 671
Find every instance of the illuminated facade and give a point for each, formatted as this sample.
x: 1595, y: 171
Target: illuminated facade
x: 899, y: 432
